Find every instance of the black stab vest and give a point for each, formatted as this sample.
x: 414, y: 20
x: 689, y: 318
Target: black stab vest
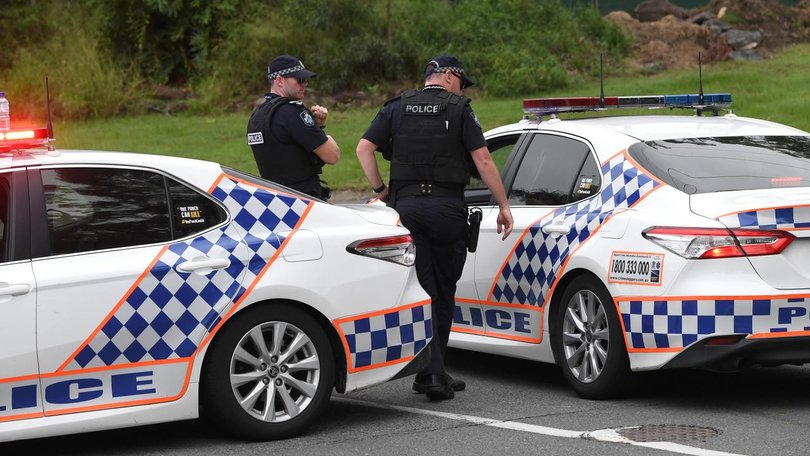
x: 428, y: 146
x: 287, y: 164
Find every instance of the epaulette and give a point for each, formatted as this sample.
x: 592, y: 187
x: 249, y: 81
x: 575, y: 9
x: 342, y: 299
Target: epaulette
x: 391, y: 100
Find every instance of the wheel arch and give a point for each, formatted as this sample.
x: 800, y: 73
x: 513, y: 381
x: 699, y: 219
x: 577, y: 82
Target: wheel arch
x: 338, y: 351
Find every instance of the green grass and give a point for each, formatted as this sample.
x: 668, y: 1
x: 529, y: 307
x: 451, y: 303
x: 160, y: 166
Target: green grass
x: 774, y: 89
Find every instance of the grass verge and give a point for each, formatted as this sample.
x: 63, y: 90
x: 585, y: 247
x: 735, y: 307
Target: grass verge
x: 775, y: 89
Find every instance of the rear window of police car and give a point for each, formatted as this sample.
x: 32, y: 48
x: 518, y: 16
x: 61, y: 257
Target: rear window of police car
x: 704, y: 165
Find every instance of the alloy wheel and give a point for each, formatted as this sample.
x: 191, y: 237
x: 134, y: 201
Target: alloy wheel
x: 586, y: 336
x: 275, y: 371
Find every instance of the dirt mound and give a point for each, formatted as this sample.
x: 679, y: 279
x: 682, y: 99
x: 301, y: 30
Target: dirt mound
x: 668, y: 36
x: 669, y: 42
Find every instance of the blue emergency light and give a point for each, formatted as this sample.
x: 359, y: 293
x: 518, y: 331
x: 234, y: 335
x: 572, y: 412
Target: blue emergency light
x: 548, y: 106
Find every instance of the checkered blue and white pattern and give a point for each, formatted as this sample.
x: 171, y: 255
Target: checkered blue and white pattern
x: 678, y: 323
x: 533, y: 267
x: 780, y: 218
x: 169, y: 313
x: 400, y: 334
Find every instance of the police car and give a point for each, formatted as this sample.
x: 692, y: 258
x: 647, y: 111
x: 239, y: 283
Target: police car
x: 138, y: 289
x: 642, y: 242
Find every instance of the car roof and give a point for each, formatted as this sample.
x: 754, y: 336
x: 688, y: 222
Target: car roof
x: 652, y: 128
x: 63, y: 157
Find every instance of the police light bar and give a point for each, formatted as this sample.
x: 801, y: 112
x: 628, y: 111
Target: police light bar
x: 23, y: 139
x: 547, y: 106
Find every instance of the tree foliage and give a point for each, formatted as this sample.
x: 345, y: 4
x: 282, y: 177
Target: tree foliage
x: 220, y: 48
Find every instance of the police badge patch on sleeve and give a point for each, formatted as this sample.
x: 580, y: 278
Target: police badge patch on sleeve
x: 255, y: 138
x: 475, y: 118
x: 307, y: 118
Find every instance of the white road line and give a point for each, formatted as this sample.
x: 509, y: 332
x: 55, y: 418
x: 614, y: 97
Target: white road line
x: 604, y: 435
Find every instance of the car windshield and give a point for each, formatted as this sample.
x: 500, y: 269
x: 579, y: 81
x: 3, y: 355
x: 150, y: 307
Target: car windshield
x: 703, y: 165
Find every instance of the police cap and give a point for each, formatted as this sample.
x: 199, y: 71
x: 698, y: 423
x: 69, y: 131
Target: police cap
x: 442, y: 63
x: 288, y: 67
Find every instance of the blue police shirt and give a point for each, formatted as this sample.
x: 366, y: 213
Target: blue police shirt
x: 293, y: 123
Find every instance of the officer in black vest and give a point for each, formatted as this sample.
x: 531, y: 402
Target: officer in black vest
x: 433, y: 140
x: 287, y: 139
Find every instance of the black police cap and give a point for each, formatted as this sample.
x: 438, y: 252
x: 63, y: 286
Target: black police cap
x: 289, y: 67
x: 442, y: 63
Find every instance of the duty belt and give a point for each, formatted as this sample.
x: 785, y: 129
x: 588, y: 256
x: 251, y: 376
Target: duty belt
x: 430, y: 189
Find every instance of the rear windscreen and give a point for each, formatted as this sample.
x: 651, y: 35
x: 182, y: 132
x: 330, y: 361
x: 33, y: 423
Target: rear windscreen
x: 703, y: 165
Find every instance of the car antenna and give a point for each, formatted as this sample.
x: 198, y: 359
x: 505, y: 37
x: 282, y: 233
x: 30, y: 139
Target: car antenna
x: 601, y: 84
x: 701, y: 106
x: 700, y: 79
x: 50, y: 123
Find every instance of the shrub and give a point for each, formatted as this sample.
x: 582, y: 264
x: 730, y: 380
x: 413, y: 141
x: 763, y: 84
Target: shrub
x: 84, y: 80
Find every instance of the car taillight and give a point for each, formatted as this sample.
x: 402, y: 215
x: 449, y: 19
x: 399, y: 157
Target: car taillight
x: 397, y: 249
x: 719, y: 242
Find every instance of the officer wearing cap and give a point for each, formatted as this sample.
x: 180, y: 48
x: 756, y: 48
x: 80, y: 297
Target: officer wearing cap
x: 288, y: 140
x: 433, y: 140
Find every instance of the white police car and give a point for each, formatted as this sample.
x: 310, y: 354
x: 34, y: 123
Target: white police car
x: 643, y: 242
x: 135, y: 289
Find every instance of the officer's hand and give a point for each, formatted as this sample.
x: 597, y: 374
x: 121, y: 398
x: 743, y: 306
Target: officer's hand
x: 505, y: 221
x: 319, y: 113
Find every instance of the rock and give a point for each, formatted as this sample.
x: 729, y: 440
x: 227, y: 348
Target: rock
x: 741, y: 39
x: 746, y: 54
x: 701, y: 18
x: 653, y: 10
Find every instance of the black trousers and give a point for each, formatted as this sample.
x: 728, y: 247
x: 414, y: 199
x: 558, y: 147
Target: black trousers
x: 438, y: 226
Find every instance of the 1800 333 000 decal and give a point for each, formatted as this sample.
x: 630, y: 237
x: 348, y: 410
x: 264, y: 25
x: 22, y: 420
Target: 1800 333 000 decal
x: 637, y: 268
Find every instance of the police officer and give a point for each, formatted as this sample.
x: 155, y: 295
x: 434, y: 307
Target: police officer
x: 287, y: 139
x: 433, y: 139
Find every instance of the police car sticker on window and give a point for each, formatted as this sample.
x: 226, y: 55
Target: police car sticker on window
x: 190, y: 215
x: 585, y: 185
x: 307, y: 118
x: 255, y: 138
x: 636, y: 268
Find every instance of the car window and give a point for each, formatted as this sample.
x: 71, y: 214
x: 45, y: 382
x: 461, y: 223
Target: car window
x: 500, y: 149
x: 192, y: 212
x: 701, y: 165
x: 549, y: 171
x: 98, y: 208
x: 5, y: 196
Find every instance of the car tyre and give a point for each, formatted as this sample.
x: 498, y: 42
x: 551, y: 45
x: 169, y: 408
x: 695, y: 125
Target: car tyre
x: 588, y: 340
x: 269, y: 374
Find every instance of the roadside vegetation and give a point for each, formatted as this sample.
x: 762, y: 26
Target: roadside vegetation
x: 775, y: 90
x: 180, y: 77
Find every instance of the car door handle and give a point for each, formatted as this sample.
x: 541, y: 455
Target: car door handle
x: 15, y: 290
x: 556, y: 230
x: 203, y: 265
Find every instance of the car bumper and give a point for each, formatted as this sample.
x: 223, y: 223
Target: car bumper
x: 745, y: 353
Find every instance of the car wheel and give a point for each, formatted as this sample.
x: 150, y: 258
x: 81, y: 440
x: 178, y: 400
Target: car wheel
x: 269, y: 374
x: 588, y: 342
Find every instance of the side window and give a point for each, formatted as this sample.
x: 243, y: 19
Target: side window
x: 98, y: 208
x: 548, y: 172
x: 5, y: 198
x: 192, y: 212
x: 500, y: 149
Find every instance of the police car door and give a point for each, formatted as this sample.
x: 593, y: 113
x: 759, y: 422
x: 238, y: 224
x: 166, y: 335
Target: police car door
x: 126, y: 276
x: 545, y: 178
x: 471, y: 309
x: 19, y: 373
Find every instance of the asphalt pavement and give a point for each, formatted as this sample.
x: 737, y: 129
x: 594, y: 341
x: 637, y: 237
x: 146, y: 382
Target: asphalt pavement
x: 512, y: 407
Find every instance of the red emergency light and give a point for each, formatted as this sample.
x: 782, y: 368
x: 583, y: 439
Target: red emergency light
x: 23, y: 139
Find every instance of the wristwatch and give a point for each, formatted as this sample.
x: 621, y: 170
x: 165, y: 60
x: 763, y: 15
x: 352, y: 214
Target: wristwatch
x: 379, y: 189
